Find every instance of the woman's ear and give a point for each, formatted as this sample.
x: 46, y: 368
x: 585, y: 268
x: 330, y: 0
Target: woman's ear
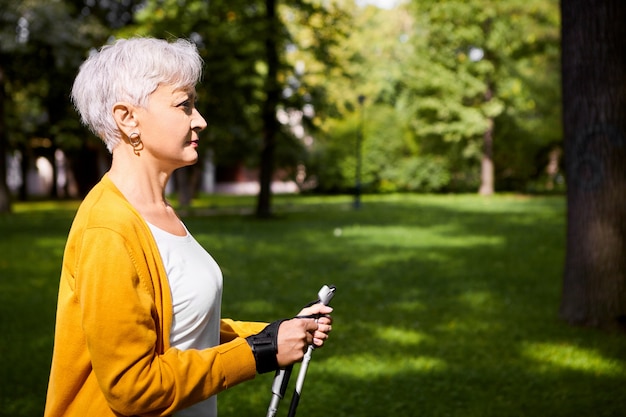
x: 125, y: 117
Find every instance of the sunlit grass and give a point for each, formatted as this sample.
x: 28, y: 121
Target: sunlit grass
x: 446, y: 305
x: 364, y: 366
x: 549, y: 356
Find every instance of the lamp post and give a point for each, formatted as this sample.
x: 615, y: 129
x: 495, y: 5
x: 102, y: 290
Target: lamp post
x: 359, y: 145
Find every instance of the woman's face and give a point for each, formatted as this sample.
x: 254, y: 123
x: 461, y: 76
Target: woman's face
x: 169, y: 126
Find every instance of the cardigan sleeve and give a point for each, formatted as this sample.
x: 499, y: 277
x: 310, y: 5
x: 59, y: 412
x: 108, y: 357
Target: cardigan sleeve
x: 230, y: 329
x: 120, y: 324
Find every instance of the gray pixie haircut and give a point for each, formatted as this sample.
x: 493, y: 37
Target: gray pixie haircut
x: 130, y: 70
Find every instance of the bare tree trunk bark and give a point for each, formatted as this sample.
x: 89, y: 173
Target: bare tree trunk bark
x: 487, y: 176
x: 594, y: 123
x: 486, y: 168
x: 270, y: 123
x: 5, y: 194
x: 184, y: 186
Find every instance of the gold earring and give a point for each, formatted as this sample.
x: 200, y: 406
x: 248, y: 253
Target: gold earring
x: 135, y: 142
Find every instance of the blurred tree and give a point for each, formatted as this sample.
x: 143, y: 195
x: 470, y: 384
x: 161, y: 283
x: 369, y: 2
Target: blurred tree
x: 272, y: 88
x: 372, y: 59
x: 481, y: 70
x: 39, y: 50
x: 42, y: 44
x: 424, y: 74
x: 427, y: 71
x: 594, y: 118
x: 5, y: 194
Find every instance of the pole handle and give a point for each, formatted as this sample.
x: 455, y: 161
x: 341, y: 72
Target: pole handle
x: 325, y: 294
x: 281, y: 379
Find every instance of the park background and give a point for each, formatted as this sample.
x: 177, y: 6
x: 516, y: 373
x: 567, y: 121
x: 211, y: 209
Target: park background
x: 422, y: 156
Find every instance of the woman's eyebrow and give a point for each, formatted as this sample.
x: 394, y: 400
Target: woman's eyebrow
x: 184, y: 95
x: 191, y: 96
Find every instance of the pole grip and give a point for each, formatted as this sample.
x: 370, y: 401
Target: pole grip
x: 281, y: 379
x: 324, y: 295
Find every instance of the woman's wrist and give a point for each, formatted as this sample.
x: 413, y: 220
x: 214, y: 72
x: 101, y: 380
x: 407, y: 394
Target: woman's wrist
x: 264, y: 347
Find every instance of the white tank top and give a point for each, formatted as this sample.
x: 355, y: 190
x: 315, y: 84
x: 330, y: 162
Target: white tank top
x: 195, y: 281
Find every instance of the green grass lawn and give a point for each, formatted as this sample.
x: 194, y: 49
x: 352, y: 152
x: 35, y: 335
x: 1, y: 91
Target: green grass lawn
x: 445, y: 305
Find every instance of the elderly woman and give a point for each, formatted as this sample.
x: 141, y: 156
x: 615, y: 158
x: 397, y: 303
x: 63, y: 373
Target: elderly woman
x: 138, y: 330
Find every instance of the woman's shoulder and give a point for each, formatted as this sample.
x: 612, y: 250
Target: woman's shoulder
x: 105, y: 206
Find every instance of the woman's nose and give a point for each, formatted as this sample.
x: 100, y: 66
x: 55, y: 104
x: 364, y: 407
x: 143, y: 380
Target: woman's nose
x: 198, y: 122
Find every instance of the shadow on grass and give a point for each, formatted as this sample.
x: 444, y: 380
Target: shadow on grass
x: 446, y: 306
x: 443, y: 309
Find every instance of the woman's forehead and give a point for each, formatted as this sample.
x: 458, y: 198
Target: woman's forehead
x: 175, y: 89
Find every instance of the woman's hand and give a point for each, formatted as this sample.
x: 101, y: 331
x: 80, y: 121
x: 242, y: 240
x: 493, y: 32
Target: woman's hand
x: 295, y: 335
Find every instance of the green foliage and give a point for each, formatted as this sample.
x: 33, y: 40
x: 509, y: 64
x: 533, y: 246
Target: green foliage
x: 486, y: 61
x: 42, y: 44
x: 435, y: 76
x: 429, y: 97
x: 446, y: 305
x: 424, y: 174
x: 333, y: 162
x: 389, y: 161
x: 372, y: 60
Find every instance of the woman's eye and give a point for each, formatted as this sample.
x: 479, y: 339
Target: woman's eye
x: 188, y: 103
x: 187, y: 106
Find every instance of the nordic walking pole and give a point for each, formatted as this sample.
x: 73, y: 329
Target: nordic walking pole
x: 325, y: 295
x: 281, y: 379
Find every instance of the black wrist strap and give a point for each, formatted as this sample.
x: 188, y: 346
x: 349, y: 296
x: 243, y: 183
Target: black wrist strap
x: 264, y: 346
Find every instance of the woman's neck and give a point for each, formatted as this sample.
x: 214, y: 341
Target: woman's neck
x: 144, y: 189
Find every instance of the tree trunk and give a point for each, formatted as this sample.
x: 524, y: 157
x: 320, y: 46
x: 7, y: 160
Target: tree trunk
x: 594, y: 123
x: 270, y: 123
x: 85, y: 168
x: 487, y: 176
x: 5, y: 194
x: 183, y: 186
x: 486, y: 166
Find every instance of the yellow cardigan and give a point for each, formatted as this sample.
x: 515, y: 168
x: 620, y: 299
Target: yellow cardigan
x: 111, y: 353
